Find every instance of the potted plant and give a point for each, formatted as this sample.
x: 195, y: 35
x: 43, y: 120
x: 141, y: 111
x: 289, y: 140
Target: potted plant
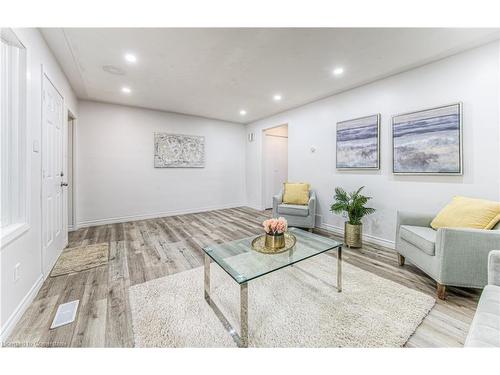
x: 354, y: 205
x: 275, y: 232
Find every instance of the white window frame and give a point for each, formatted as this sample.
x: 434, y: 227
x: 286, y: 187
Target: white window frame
x: 14, y: 200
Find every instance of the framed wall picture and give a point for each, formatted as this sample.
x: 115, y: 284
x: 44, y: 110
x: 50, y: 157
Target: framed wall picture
x: 179, y: 151
x: 358, y: 143
x: 428, y: 141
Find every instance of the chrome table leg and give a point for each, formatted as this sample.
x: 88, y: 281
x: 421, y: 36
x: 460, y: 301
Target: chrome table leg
x: 207, y: 277
x: 242, y: 339
x: 290, y: 255
x: 339, y: 269
x: 244, y: 314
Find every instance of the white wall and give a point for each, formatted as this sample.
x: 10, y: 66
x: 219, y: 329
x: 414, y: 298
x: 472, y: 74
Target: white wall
x: 115, y: 179
x: 471, y: 77
x: 26, y: 249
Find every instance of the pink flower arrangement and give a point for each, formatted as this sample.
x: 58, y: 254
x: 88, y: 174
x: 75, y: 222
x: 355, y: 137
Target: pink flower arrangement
x: 275, y: 226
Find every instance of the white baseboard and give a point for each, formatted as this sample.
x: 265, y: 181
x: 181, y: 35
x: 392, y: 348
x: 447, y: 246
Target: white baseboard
x: 254, y: 207
x: 368, y: 238
x: 20, y: 309
x: 125, y: 219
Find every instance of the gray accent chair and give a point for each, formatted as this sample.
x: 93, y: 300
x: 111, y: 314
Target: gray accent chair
x: 485, y: 328
x: 302, y: 216
x: 451, y: 256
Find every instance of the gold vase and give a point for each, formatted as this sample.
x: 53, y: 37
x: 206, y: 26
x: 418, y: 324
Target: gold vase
x: 275, y: 241
x: 353, y: 235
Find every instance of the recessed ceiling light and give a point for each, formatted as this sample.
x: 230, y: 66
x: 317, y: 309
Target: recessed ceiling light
x: 277, y: 97
x: 243, y: 112
x: 338, y: 71
x: 126, y: 90
x: 130, y: 58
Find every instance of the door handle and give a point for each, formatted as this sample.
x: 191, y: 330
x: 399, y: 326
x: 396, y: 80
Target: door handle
x: 64, y: 184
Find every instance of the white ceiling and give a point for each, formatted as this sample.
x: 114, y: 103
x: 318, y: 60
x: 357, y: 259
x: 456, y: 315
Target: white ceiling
x: 217, y: 72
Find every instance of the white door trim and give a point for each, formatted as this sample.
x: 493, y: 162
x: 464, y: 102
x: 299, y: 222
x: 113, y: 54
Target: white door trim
x: 73, y: 171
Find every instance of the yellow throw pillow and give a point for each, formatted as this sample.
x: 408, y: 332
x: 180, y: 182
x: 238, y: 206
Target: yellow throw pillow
x: 465, y: 212
x: 296, y: 193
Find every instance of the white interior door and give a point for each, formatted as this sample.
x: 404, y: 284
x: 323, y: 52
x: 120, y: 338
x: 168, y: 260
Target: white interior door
x: 54, y: 235
x: 276, y: 166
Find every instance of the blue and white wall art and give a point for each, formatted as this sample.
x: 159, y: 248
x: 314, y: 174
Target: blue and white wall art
x: 429, y: 141
x: 358, y: 143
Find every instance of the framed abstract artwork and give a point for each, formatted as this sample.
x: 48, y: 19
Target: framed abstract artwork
x: 358, y: 143
x: 428, y: 141
x: 179, y: 151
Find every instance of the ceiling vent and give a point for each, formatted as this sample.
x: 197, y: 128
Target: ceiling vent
x: 113, y: 70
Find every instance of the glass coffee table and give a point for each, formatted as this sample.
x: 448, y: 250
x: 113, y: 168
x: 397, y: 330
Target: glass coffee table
x: 244, y: 264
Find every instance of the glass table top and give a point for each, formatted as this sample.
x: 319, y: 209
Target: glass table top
x: 243, y: 263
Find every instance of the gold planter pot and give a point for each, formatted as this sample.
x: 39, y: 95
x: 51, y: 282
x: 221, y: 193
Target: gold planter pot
x: 276, y: 241
x: 353, y: 235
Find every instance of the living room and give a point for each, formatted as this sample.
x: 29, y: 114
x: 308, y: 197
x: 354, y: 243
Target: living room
x: 244, y: 187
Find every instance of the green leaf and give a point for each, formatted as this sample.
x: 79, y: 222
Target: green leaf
x: 353, y: 203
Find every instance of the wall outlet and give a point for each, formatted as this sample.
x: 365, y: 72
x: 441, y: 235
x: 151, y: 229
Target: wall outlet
x: 17, y: 272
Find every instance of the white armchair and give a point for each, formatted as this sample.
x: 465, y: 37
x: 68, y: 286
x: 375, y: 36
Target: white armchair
x: 451, y: 256
x: 302, y: 216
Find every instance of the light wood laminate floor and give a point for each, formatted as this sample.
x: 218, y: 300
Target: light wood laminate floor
x: 149, y: 249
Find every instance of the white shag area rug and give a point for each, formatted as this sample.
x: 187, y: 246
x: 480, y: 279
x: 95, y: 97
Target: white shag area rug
x: 293, y: 307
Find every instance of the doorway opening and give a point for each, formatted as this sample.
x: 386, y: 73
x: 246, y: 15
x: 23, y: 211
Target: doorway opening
x: 275, y: 162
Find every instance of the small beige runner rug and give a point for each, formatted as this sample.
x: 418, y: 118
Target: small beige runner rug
x: 76, y: 259
x: 293, y: 307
